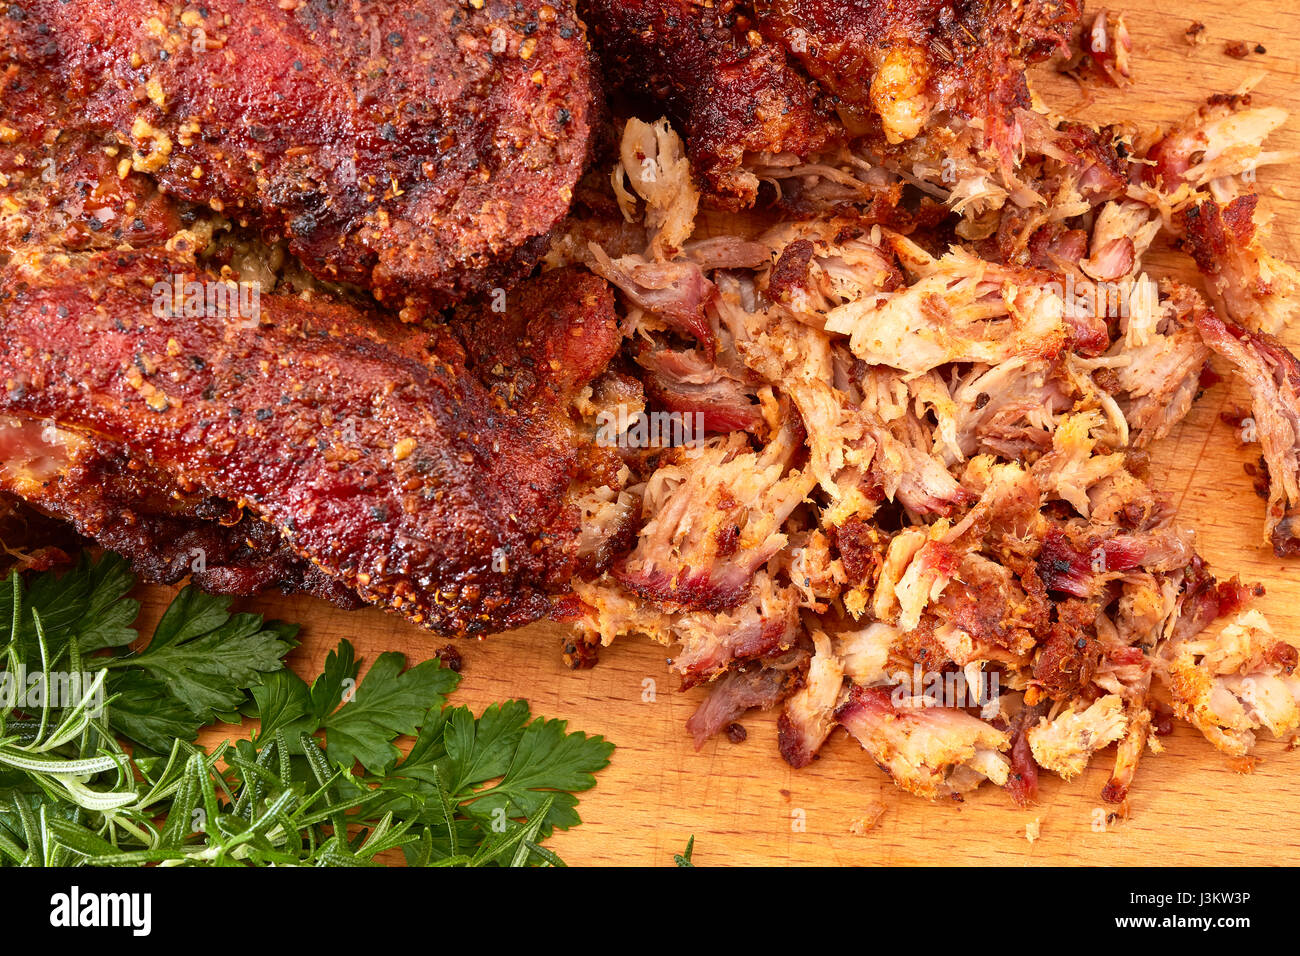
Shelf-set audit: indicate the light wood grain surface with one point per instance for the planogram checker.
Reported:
(745, 806)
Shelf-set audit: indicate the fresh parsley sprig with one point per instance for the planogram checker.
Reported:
(110, 776)
(197, 668)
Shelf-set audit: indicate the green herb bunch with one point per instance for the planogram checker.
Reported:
(99, 766)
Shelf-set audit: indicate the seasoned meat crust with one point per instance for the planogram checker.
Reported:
(58, 184)
(366, 443)
(791, 78)
(888, 65)
(421, 149)
(136, 510)
(730, 96)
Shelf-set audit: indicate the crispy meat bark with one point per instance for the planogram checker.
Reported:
(168, 533)
(730, 95)
(382, 453)
(421, 149)
(749, 82)
(889, 66)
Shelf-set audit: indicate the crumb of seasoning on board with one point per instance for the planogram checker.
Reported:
(1234, 416)
(1032, 829)
(1240, 50)
(736, 733)
(1244, 764)
(868, 821)
(1195, 34)
(451, 657)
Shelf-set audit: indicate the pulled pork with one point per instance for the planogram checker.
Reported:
(921, 510)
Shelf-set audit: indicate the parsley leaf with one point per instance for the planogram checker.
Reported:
(283, 702)
(87, 603)
(360, 721)
(388, 703)
(532, 761)
(337, 679)
(144, 711)
(202, 656)
(546, 762)
(197, 667)
(483, 749)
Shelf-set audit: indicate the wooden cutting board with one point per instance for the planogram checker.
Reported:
(745, 806)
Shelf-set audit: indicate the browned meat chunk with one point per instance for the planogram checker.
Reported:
(444, 492)
(1272, 374)
(421, 149)
(730, 93)
(890, 66)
